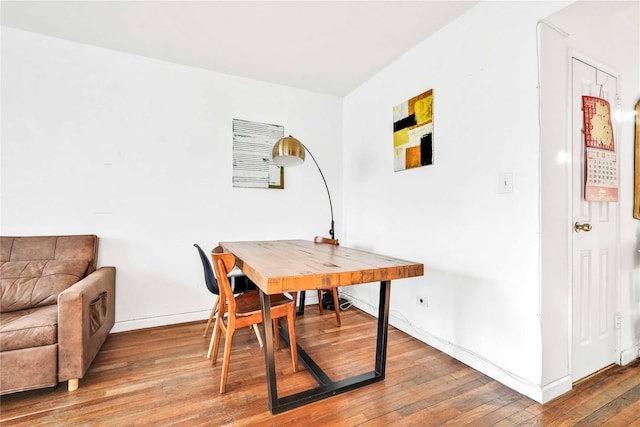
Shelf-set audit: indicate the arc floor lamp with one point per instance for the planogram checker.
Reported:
(289, 151)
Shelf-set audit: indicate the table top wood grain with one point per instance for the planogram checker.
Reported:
(278, 266)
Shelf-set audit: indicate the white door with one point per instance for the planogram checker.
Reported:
(594, 252)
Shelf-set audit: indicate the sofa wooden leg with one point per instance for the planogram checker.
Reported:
(73, 384)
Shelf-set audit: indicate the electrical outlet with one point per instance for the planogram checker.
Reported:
(421, 301)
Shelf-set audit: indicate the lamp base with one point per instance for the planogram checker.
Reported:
(327, 302)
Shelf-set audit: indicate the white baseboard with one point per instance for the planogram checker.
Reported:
(310, 298)
(540, 394)
(555, 389)
(152, 322)
(629, 355)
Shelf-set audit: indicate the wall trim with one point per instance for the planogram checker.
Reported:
(540, 394)
(152, 322)
(629, 355)
(556, 389)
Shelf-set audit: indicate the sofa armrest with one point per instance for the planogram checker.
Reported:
(86, 314)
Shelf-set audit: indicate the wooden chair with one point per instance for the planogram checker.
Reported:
(333, 292)
(244, 310)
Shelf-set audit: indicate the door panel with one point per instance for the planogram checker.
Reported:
(594, 252)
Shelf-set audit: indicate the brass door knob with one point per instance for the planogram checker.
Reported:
(581, 227)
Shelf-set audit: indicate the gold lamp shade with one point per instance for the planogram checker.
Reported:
(288, 151)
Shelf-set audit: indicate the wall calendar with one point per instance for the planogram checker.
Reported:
(601, 163)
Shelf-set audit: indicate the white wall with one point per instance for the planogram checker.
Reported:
(480, 247)
(138, 151)
(556, 256)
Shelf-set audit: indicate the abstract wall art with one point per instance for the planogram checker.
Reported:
(252, 163)
(413, 132)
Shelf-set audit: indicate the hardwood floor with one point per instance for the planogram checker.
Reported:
(161, 376)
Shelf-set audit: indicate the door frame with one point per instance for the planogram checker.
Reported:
(616, 121)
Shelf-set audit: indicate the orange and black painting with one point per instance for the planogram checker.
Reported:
(413, 132)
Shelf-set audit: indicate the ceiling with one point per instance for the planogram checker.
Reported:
(588, 15)
(329, 47)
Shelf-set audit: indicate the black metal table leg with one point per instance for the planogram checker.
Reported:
(326, 387)
(269, 355)
(383, 327)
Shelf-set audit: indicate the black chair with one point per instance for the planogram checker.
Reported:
(241, 284)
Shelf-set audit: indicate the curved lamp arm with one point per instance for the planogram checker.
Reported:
(289, 151)
(331, 230)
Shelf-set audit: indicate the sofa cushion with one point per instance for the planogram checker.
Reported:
(42, 248)
(28, 284)
(33, 327)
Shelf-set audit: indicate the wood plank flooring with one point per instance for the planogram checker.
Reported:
(161, 376)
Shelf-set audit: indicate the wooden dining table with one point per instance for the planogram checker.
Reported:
(281, 266)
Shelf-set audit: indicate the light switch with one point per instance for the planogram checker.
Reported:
(506, 183)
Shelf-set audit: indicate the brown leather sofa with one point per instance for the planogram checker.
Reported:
(56, 310)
